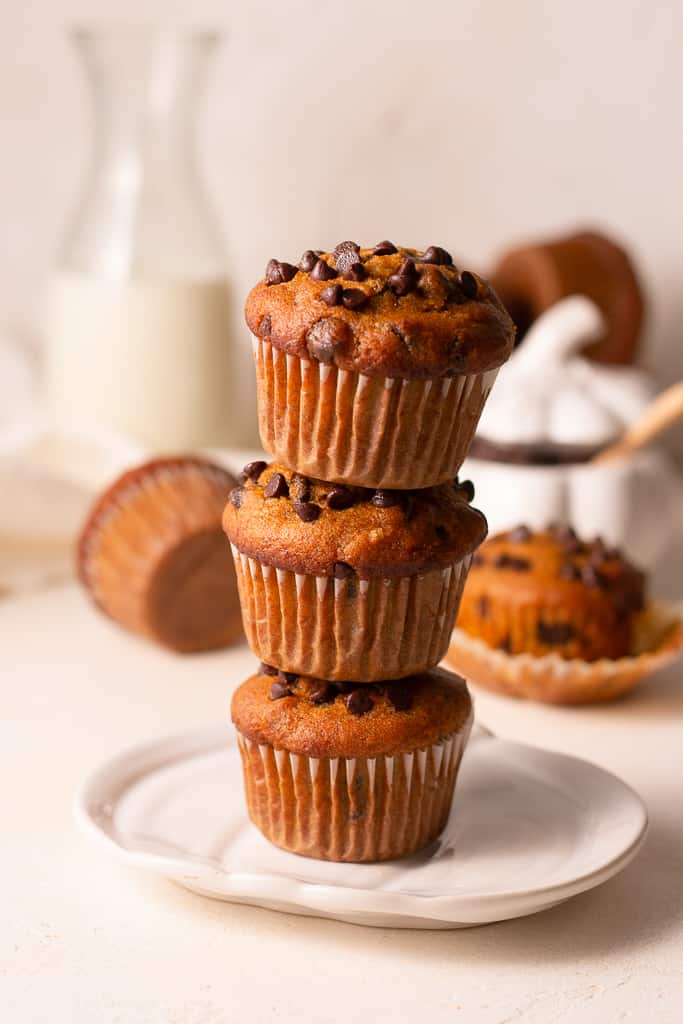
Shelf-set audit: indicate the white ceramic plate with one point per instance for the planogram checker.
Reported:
(529, 829)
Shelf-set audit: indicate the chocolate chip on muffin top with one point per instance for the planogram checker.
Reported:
(385, 311)
(350, 531)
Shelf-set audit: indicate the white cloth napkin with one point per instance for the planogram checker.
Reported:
(48, 476)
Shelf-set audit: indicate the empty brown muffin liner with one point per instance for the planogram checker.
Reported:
(348, 629)
(143, 523)
(551, 679)
(371, 431)
(352, 809)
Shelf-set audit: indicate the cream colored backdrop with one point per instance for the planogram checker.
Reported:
(466, 124)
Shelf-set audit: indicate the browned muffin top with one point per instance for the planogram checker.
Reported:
(311, 526)
(386, 311)
(556, 562)
(320, 719)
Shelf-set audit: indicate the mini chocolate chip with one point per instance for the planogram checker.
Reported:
(266, 670)
(354, 298)
(400, 285)
(554, 634)
(399, 694)
(570, 572)
(484, 606)
(598, 552)
(253, 470)
(278, 272)
(308, 261)
(237, 497)
(300, 487)
(322, 271)
(435, 254)
(325, 337)
(385, 499)
(359, 702)
(307, 510)
(465, 488)
(520, 534)
(356, 272)
(590, 576)
(265, 326)
(332, 295)
(277, 487)
(290, 678)
(340, 498)
(505, 644)
(279, 690)
(505, 561)
(324, 694)
(384, 248)
(342, 570)
(344, 687)
(345, 255)
(563, 533)
(441, 532)
(468, 284)
(409, 506)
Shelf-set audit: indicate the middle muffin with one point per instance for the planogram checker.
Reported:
(346, 583)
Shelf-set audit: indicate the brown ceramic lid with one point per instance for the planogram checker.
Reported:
(532, 278)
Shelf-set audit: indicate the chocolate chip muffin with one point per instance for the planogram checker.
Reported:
(550, 593)
(153, 556)
(351, 772)
(373, 365)
(343, 582)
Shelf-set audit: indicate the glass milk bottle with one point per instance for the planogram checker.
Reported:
(139, 335)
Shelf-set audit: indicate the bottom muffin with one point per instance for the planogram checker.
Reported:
(351, 771)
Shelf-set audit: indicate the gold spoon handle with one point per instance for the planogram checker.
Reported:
(662, 413)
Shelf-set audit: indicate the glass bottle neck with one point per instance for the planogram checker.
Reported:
(143, 211)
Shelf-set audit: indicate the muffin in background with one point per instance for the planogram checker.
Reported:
(373, 365)
(351, 772)
(153, 556)
(547, 592)
(346, 583)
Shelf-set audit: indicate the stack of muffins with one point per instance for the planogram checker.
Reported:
(352, 549)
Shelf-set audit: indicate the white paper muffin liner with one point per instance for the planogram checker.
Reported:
(371, 431)
(348, 629)
(555, 680)
(352, 809)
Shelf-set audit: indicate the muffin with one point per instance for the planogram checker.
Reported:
(373, 365)
(532, 278)
(351, 772)
(347, 583)
(550, 593)
(153, 556)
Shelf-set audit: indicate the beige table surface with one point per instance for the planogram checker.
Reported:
(84, 939)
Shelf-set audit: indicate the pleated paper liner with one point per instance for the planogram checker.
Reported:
(348, 629)
(371, 431)
(352, 809)
(154, 557)
(555, 680)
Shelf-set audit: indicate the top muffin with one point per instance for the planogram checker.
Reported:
(386, 311)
